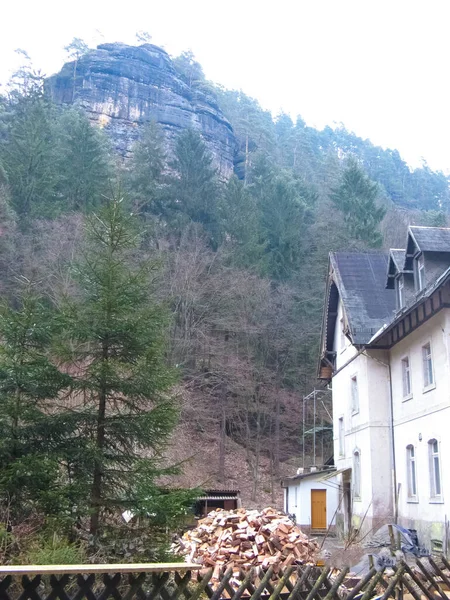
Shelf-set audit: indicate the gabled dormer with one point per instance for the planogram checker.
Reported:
(427, 254)
(399, 279)
(357, 304)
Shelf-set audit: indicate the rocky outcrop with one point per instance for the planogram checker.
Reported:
(122, 87)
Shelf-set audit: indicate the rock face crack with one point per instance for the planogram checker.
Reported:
(123, 87)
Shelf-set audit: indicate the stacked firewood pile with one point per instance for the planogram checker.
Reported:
(245, 538)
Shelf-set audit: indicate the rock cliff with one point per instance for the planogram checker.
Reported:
(122, 87)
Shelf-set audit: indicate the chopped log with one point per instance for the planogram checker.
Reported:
(247, 538)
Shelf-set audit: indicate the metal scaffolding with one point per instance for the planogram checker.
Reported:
(317, 424)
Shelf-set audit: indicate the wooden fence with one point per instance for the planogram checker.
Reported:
(425, 579)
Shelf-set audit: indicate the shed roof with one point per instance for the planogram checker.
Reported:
(360, 279)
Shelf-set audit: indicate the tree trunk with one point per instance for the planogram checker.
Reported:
(96, 490)
(222, 441)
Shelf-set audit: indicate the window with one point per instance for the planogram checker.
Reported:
(428, 378)
(341, 437)
(420, 273)
(411, 471)
(355, 394)
(406, 377)
(435, 469)
(356, 474)
(400, 296)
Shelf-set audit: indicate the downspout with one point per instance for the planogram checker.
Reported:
(391, 426)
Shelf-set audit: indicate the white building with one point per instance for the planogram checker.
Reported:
(385, 351)
(312, 498)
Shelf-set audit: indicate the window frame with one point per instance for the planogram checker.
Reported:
(411, 473)
(435, 497)
(407, 371)
(400, 286)
(419, 272)
(428, 385)
(357, 475)
(354, 405)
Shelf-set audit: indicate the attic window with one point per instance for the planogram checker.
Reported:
(420, 273)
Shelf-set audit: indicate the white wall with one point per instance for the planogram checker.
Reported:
(424, 416)
(299, 498)
(367, 430)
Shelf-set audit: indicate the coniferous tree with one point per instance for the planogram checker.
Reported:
(84, 169)
(31, 434)
(190, 70)
(356, 197)
(116, 334)
(28, 155)
(193, 189)
(284, 205)
(241, 225)
(145, 176)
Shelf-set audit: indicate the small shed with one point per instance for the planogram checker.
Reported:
(312, 498)
(213, 499)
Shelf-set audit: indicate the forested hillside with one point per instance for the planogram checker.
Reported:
(239, 264)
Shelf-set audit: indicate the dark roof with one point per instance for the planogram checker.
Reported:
(418, 299)
(431, 239)
(360, 279)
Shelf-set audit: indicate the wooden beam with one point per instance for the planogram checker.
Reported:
(108, 568)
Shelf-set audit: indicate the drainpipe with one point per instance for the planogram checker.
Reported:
(391, 427)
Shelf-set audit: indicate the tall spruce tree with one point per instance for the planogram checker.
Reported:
(145, 175)
(240, 221)
(31, 434)
(84, 168)
(356, 197)
(28, 155)
(122, 383)
(193, 189)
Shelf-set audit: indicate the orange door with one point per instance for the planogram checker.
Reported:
(318, 509)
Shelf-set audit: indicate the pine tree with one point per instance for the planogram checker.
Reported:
(31, 434)
(116, 344)
(83, 162)
(356, 197)
(189, 69)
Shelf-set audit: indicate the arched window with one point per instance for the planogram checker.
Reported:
(356, 474)
(411, 471)
(435, 469)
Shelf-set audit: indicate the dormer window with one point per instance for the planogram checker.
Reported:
(399, 286)
(420, 273)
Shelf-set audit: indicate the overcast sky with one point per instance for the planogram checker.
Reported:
(380, 67)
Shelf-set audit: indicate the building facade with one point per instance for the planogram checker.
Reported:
(385, 351)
